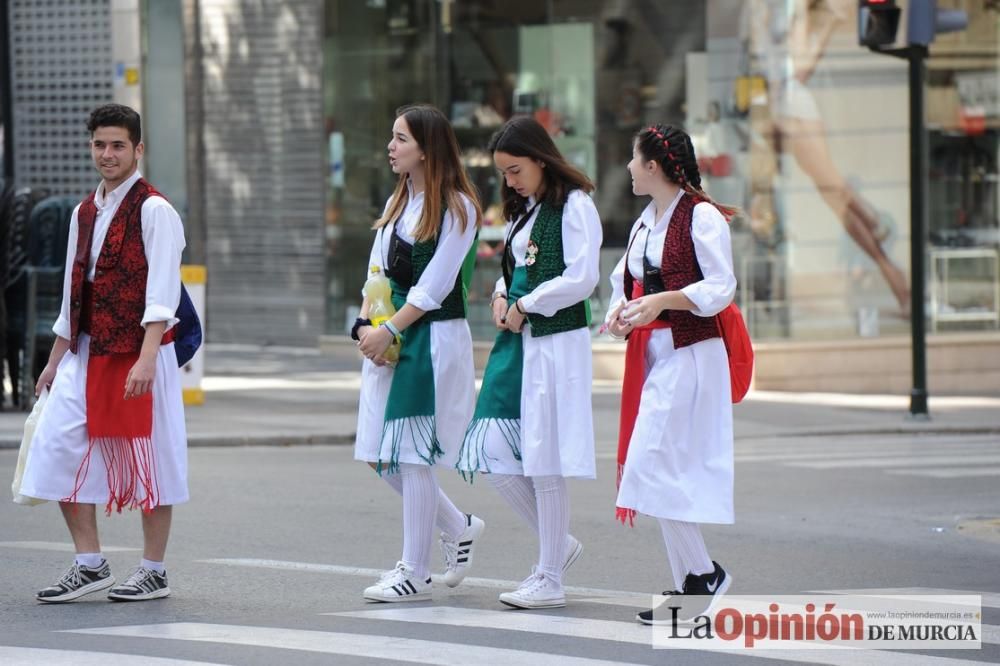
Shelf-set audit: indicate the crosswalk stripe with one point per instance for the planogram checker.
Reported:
(625, 632)
(558, 625)
(473, 581)
(898, 461)
(24, 656)
(989, 599)
(948, 472)
(394, 648)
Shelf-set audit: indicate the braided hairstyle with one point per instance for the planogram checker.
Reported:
(671, 148)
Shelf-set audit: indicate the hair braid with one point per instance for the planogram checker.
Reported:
(671, 148)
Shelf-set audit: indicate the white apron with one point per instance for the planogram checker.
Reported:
(60, 442)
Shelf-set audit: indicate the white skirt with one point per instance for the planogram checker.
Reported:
(557, 425)
(454, 398)
(680, 457)
(60, 442)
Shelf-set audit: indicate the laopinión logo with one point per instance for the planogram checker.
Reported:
(835, 621)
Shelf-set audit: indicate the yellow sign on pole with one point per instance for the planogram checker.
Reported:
(193, 277)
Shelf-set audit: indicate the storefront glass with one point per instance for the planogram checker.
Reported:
(796, 124)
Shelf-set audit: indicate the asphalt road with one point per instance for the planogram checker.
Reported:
(268, 561)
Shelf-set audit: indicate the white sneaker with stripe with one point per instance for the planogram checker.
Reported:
(144, 584)
(399, 585)
(458, 553)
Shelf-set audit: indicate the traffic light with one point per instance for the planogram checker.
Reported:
(924, 20)
(878, 21)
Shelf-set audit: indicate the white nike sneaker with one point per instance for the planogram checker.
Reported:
(458, 552)
(537, 591)
(399, 585)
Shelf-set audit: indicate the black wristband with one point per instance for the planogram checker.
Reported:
(517, 305)
(358, 323)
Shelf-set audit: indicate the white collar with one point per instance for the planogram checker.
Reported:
(650, 211)
(104, 199)
(409, 189)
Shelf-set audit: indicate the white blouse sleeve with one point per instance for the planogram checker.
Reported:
(438, 279)
(163, 238)
(617, 280)
(713, 247)
(617, 277)
(62, 327)
(377, 256)
(501, 286)
(582, 236)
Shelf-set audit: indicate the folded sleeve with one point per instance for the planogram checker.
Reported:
(617, 277)
(62, 327)
(438, 279)
(713, 248)
(163, 238)
(582, 236)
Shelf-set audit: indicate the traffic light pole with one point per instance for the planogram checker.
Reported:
(917, 58)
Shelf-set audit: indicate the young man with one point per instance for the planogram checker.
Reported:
(112, 432)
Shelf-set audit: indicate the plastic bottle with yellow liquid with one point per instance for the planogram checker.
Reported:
(378, 292)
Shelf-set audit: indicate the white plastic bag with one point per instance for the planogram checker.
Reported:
(22, 456)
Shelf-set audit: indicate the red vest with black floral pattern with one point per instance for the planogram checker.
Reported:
(113, 306)
(679, 268)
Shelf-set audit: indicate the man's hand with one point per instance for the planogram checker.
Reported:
(45, 379)
(140, 377)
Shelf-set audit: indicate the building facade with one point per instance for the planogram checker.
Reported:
(273, 120)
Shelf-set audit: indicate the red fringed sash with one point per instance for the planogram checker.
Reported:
(635, 376)
(123, 429)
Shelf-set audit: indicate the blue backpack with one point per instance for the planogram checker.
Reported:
(187, 332)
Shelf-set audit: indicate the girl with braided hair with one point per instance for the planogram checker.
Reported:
(675, 446)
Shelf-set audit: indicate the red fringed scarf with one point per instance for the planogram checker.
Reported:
(635, 376)
(123, 429)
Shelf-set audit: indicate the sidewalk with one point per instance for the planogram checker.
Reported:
(283, 396)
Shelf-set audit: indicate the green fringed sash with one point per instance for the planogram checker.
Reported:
(409, 413)
(499, 403)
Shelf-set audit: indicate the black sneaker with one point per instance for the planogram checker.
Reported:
(76, 582)
(700, 595)
(646, 616)
(142, 585)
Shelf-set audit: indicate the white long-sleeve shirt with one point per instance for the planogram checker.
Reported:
(581, 238)
(438, 279)
(712, 246)
(163, 242)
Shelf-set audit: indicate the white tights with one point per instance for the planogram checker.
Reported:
(543, 502)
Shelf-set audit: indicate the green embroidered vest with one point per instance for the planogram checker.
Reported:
(454, 304)
(546, 235)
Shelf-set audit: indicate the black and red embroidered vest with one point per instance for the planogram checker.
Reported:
(679, 268)
(111, 308)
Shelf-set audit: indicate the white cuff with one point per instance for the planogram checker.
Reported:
(528, 302)
(62, 328)
(156, 313)
(419, 298)
(702, 301)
